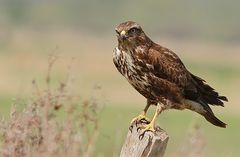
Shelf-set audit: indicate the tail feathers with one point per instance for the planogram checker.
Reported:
(209, 116)
(223, 98)
(214, 120)
(208, 94)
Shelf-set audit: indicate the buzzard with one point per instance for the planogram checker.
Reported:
(159, 75)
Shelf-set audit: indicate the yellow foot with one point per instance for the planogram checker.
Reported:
(148, 127)
(142, 116)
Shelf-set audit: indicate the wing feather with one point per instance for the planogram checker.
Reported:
(167, 65)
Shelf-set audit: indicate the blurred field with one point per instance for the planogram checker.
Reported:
(90, 61)
(92, 68)
(177, 124)
(204, 35)
(114, 123)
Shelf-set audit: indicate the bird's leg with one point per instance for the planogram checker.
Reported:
(151, 125)
(142, 116)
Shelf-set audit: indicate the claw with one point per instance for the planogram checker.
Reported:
(139, 120)
(148, 127)
(144, 121)
(140, 117)
(130, 128)
(141, 136)
(138, 128)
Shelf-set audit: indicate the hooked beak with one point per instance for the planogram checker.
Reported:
(123, 35)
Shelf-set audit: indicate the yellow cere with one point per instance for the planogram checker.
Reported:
(123, 33)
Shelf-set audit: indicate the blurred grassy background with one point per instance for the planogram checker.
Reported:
(205, 34)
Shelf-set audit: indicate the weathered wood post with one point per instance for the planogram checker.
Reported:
(152, 144)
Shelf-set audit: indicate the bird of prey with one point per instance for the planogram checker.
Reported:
(159, 75)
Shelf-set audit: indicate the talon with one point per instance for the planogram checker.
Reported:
(130, 128)
(144, 121)
(136, 123)
(141, 136)
(140, 117)
(139, 128)
(148, 127)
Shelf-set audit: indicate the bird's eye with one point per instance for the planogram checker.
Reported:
(133, 30)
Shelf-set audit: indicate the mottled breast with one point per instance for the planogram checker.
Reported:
(126, 65)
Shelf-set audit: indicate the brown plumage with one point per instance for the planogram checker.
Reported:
(160, 76)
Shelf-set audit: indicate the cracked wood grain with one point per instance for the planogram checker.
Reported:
(152, 144)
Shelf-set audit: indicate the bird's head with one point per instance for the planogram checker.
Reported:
(130, 33)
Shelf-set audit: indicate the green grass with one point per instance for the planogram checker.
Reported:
(222, 142)
(5, 106)
(114, 122)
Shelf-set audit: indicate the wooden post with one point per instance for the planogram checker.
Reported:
(152, 144)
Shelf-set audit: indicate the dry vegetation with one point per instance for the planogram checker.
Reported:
(53, 123)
